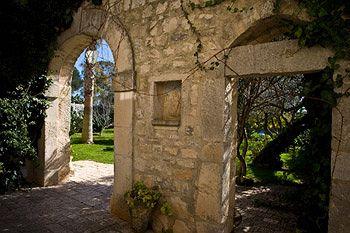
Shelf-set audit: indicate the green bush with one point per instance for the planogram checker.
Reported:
(32, 28)
(257, 142)
(15, 143)
(21, 115)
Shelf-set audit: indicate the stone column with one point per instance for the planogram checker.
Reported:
(215, 185)
(123, 147)
(54, 147)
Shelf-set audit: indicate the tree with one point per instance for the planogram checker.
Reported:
(77, 87)
(103, 100)
(89, 82)
(264, 104)
(77, 82)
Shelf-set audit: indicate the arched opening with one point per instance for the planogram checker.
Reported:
(92, 77)
(90, 24)
(262, 31)
(99, 146)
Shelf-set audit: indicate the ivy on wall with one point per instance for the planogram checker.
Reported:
(329, 28)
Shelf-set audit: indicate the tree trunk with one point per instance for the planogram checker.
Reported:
(87, 132)
(89, 83)
(242, 170)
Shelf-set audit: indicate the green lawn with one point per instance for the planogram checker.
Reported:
(100, 151)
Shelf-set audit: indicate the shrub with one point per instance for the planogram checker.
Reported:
(142, 196)
(21, 115)
(257, 142)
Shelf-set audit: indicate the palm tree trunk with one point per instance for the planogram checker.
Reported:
(87, 132)
(89, 83)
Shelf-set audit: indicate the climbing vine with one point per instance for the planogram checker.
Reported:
(327, 28)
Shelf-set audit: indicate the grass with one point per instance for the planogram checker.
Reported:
(102, 150)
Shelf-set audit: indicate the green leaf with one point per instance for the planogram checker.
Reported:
(298, 32)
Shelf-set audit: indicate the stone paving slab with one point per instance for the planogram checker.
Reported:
(81, 205)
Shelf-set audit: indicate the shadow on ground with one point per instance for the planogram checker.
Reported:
(263, 209)
(76, 206)
(81, 205)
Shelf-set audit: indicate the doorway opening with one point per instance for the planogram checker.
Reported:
(92, 105)
(284, 152)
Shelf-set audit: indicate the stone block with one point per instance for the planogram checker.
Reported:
(212, 109)
(141, 164)
(180, 227)
(137, 3)
(189, 153)
(183, 174)
(126, 4)
(186, 163)
(209, 178)
(180, 209)
(123, 108)
(171, 150)
(341, 164)
(161, 8)
(208, 206)
(339, 207)
(212, 152)
(160, 222)
(123, 141)
(170, 25)
(205, 227)
(277, 58)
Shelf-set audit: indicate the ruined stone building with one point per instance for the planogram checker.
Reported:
(175, 123)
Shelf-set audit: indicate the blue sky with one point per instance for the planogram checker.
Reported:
(104, 54)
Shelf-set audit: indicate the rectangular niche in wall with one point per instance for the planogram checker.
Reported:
(167, 103)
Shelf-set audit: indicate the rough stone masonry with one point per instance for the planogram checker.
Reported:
(175, 124)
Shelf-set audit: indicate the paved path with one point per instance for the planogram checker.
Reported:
(79, 205)
(264, 210)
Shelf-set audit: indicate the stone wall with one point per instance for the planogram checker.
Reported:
(153, 41)
(186, 161)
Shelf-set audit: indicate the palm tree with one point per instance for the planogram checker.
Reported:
(89, 83)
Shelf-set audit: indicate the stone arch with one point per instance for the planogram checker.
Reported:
(259, 24)
(237, 30)
(252, 53)
(89, 23)
(262, 31)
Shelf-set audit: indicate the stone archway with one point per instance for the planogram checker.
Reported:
(54, 146)
(286, 57)
(192, 162)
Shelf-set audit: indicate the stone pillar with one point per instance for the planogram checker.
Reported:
(214, 198)
(123, 148)
(339, 205)
(54, 146)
